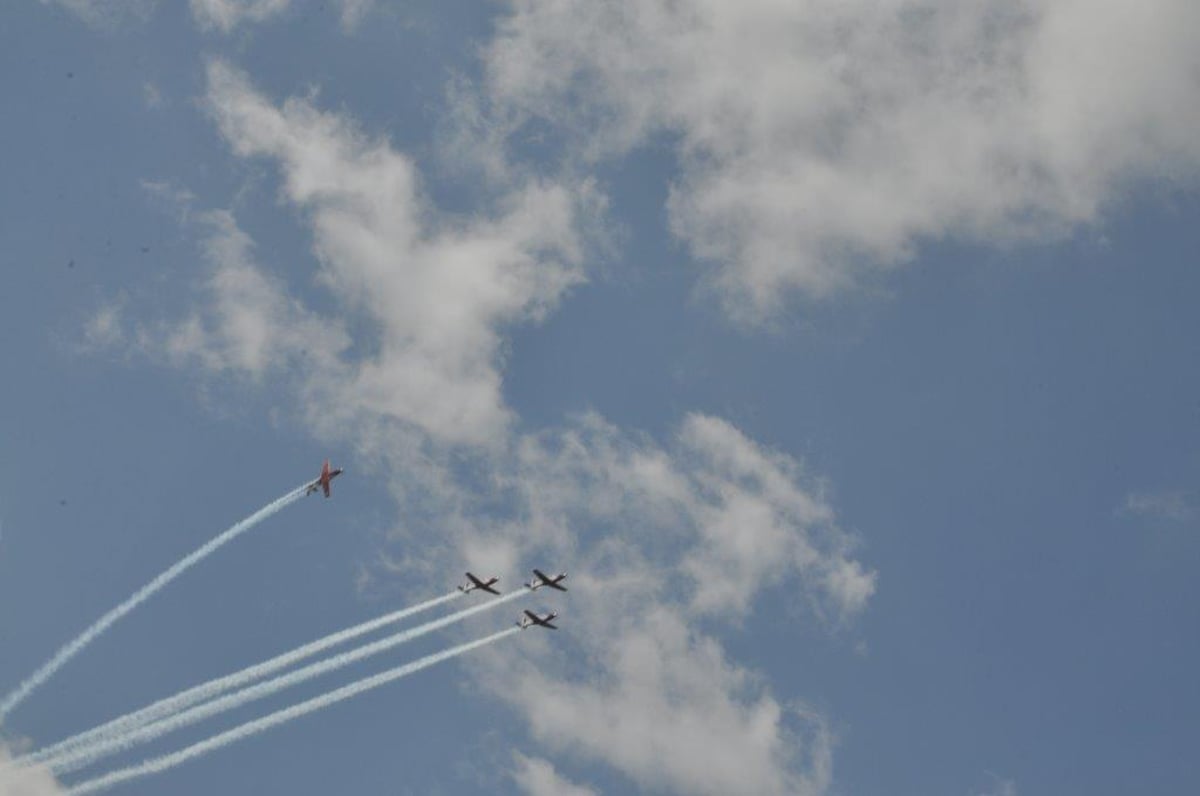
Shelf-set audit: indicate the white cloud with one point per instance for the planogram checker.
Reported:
(166, 193)
(664, 706)
(729, 517)
(997, 787)
(435, 290)
(354, 11)
(759, 525)
(658, 539)
(105, 328)
(537, 777)
(248, 324)
(152, 95)
(1174, 506)
(818, 142)
(34, 781)
(107, 13)
(662, 538)
(219, 15)
(225, 15)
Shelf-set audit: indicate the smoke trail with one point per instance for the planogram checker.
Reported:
(250, 728)
(87, 755)
(214, 688)
(50, 667)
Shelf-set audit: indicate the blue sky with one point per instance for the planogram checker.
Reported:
(845, 357)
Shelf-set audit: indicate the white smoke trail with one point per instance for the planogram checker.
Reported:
(50, 667)
(214, 688)
(250, 728)
(91, 753)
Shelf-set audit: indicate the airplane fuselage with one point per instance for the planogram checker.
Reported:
(474, 583)
(530, 619)
(323, 480)
(541, 579)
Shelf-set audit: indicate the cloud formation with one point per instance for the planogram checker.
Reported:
(107, 13)
(537, 777)
(434, 290)
(225, 15)
(717, 516)
(661, 541)
(666, 707)
(248, 324)
(819, 142)
(1173, 506)
(667, 541)
(998, 787)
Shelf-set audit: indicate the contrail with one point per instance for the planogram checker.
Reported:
(50, 667)
(158, 764)
(214, 688)
(105, 746)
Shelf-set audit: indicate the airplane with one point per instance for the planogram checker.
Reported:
(322, 482)
(542, 579)
(530, 619)
(474, 583)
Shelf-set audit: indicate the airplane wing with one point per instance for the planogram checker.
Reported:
(325, 486)
(537, 620)
(476, 582)
(546, 580)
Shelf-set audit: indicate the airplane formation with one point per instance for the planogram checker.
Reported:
(539, 580)
(241, 687)
(473, 583)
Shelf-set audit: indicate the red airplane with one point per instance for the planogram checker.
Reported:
(322, 482)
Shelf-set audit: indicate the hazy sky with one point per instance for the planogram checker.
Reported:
(844, 353)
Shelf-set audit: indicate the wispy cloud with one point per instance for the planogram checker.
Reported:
(435, 290)
(105, 328)
(249, 324)
(225, 15)
(660, 538)
(107, 14)
(537, 777)
(1175, 506)
(152, 95)
(997, 787)
(664, 705)
(354, 12)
